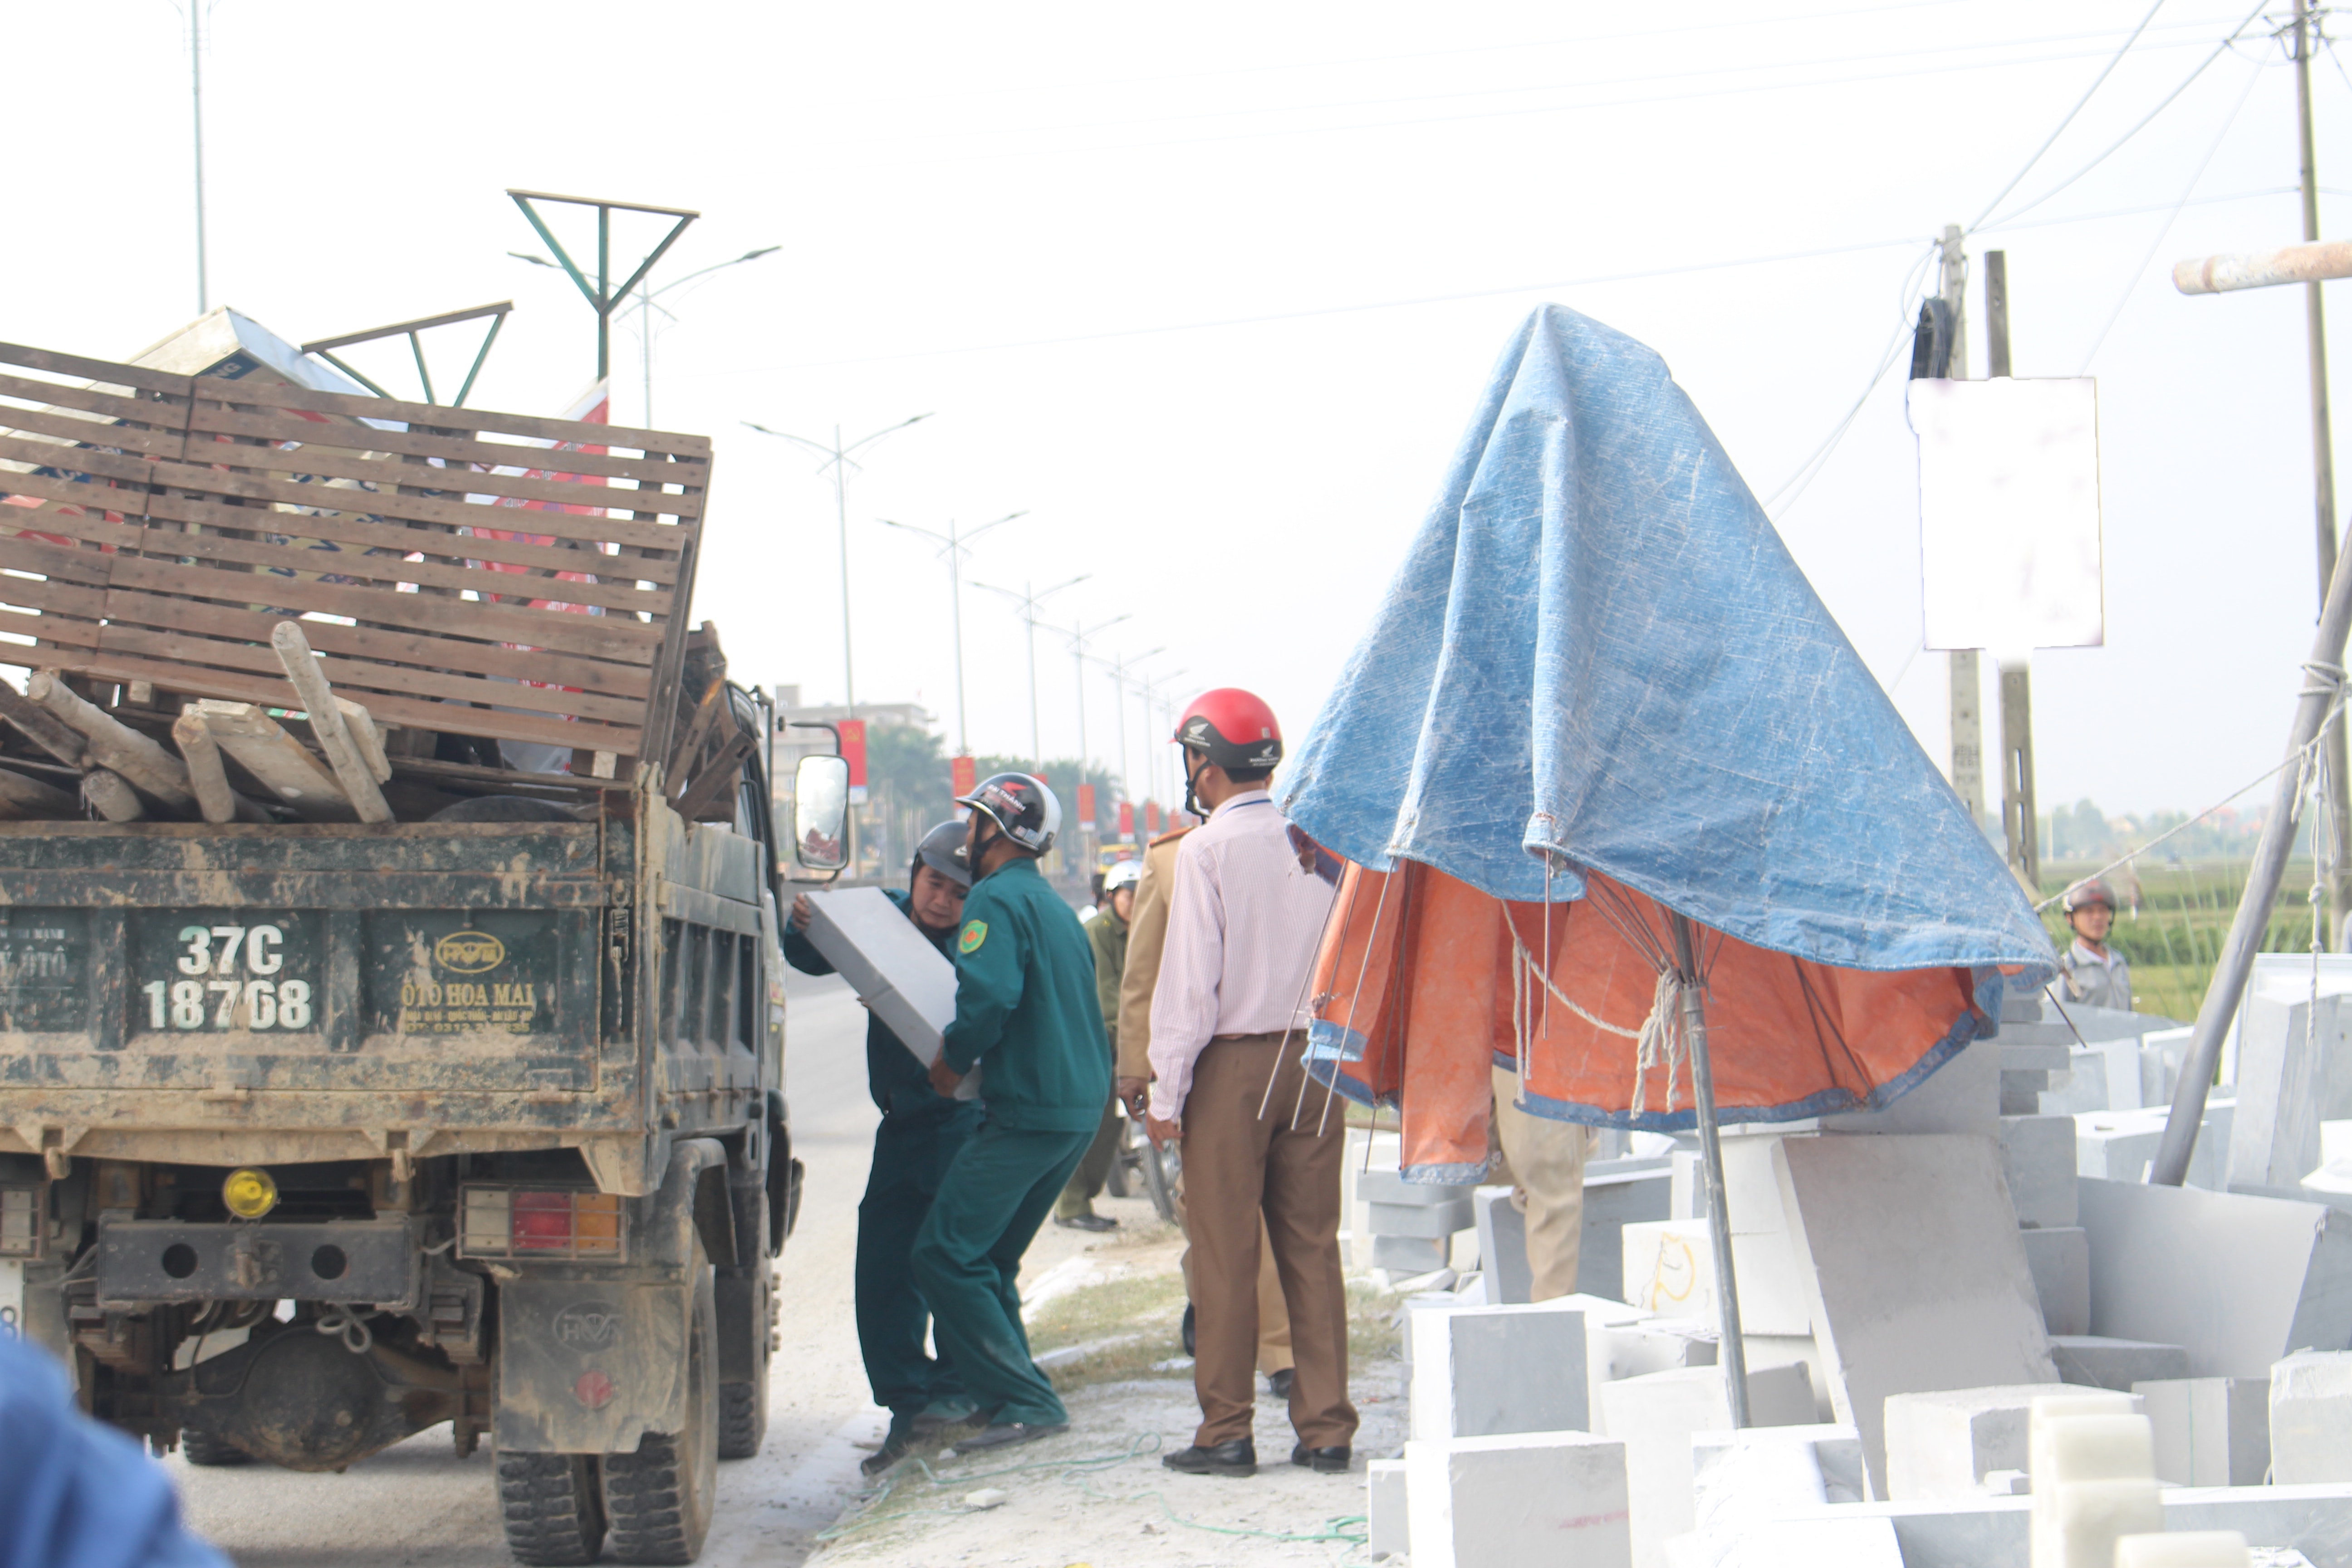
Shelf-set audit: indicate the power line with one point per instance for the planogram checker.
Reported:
(2131, 284)
(2219, 50)
(2106, 71)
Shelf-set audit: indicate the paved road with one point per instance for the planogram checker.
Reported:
(418, 1504)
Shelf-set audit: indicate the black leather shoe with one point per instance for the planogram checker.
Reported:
(1280, 1381)
(1095, 1222)
(1322, 1461)
(1238, 1458)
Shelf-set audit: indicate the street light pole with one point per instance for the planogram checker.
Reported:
(1121, 670)
(1079, 633)
(956, 543)
(836, 457)
(1027, 600)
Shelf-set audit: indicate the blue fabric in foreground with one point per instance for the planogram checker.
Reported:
(1598, 654)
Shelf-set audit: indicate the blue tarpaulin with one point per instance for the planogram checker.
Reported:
(1600, 655)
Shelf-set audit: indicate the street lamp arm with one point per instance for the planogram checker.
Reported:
(910, 528)
(1042, 595)
(887, 430)
(984, 528)
(705, 271)
(786, 436)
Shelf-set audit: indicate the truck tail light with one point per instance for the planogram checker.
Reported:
(547, 1224)
(20, 1221)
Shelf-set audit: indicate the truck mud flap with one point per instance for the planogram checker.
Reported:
(588, 1367)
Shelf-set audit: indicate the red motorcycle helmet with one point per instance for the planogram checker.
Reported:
(1233, 728)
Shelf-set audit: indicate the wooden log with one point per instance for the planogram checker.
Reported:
(285, 768)
(327, 725)
(41, 727)
(26, 799)
(215, 796)
(112, 744)
(368, 737)
(114, 799)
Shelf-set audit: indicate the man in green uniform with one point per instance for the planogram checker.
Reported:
(1106, 935)
(1027, 1015)
(920, 1131)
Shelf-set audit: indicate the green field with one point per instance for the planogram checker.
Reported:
(2185, 909)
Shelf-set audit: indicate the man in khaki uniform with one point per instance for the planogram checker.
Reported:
(1147, 933)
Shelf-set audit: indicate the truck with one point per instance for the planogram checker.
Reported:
(451, 1090)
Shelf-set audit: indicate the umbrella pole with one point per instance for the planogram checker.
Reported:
(1732, 1353)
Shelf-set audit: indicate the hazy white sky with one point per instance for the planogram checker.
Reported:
(1210, 293)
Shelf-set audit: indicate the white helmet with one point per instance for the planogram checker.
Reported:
(1122, 874)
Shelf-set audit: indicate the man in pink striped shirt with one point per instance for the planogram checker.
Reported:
(1227, 1034)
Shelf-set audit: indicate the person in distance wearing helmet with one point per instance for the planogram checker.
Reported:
(920, 1134)
(1026, 1010)
(1106, 935)
(1244, 919)
(2091, 972)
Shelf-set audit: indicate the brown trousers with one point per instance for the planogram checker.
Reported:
(1238, 1166)
(1273, 1312)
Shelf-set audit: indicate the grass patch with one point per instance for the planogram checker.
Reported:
(1134, 1323)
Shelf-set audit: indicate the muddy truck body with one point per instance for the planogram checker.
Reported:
(326, 1119)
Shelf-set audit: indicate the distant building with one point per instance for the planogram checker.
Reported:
(792, 743)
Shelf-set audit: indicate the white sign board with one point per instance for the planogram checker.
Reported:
(906, 982)
(2009, 513)
(11, 1298)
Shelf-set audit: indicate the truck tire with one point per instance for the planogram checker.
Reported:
(659, 1499)
(743, 1403)
(554, 1510)
(203, 1448)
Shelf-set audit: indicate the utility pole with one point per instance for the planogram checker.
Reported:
(196, 97)
(1080, 634)
(955, 541)
(836, 457)
(1122, 676)
(1967, 671)
(2020, 823)
(2323, 478)
(1026, 601)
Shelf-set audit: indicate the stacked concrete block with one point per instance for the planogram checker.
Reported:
(2102, 1076)
(2060, 1259)
(2119, 1145)
(2161, 1052)
(2093, 1480)
(1553, 1498)
(2311, 1417)
(1614, 1352)
(1634, 1193)
(2090, 1361)
(1385, 1510)
(1655, 1416)
(1961, 1096)
(1856, 1543)
(1668, 1268)
(2287, 1042)
(1952, 1443)
(2025, 1071)
(1413, 1224)
(1917, 1277)
(2210, 1431)
(1484, 1372)
(2313, 1520)
(2236, 1281)
(1367, 1152)
(1740, 1478)
(2190, 1549)
(2037, 1157)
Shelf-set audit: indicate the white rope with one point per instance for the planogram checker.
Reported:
(1657, 1043)
(1660, 1040)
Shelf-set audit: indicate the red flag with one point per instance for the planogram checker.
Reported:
(1126, 819)
(1087, 804)
(963, 774)
(1150, 816)
(852, 751)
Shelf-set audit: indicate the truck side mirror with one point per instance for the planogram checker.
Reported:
(821, 812)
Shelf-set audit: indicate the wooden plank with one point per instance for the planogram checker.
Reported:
(452, 445)
(64, 562)
(72, 460)
(384, 660)
(50, 629)
(41, 727)
(466, 772)
(386, 569)
(282, 762)
(327, 725)
(59, 598)
(367, 738)
(77, 511)
(110, 743)
(280, 394)
(343, 452)
(126, 438)
(616, 637)
(24, 799)
(352, 526)
(107, 373)
(154, 413)
(215, 799)
(454, 717)
(717, 781)
(440, 508)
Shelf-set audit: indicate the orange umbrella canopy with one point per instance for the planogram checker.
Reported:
(1423, 984)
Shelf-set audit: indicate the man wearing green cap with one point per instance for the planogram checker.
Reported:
(1026, 1016)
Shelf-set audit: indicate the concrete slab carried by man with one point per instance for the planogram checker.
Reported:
(1245, 917)
(1025, 1006)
